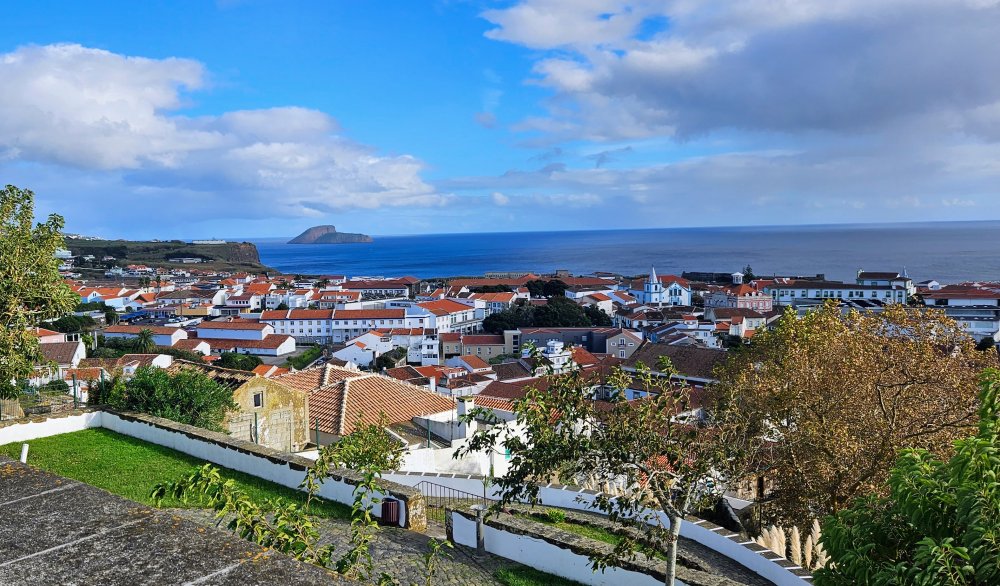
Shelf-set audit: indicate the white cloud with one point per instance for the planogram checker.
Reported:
(499, 198)
(102, 113)
(777, 66)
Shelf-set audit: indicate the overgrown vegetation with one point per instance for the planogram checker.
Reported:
(306, 358)
(185, 397)
(238, 361)
(558, 312)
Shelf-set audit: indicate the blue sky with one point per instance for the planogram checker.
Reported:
(246, 118)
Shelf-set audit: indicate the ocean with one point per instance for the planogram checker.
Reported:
(945, 251)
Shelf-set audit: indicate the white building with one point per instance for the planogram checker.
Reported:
(665, 290)
(162, 336)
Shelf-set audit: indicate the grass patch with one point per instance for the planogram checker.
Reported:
(525, 576)
(590, 531)
(130, 468)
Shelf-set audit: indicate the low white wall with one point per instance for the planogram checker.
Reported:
(29, 430)
(575, 499)
(545, 556)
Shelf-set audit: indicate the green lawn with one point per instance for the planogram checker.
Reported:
(130, 467)
(525, 576)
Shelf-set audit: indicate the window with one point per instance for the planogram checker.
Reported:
(258, 400)
(621, 354)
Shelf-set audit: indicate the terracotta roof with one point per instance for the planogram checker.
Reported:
(733, 312)
(60, 352)
(474, 362)
(495, 403)
(582, 356)
(403, 373)
(231, 325)
(227, 377)
(92, 373)
(338, 406)
(269, 370)
(188, 344)
(270, 342)
(313, 378)
(450, 337)
(42, 332)
(599, 297)
(157, 330)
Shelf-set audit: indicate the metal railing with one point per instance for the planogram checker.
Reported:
(438, 497)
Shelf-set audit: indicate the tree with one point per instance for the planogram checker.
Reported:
(145, 341)
(662, 465)
(185, 397)
(554, 288)
(938, 523)
(597, 317)
(509, 319)
(282, 306)
(369, 446)
(560, 312)
(238, 361)
(31, 289)
(748, 274)
(840, 395)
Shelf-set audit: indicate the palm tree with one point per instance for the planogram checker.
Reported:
(144, 342)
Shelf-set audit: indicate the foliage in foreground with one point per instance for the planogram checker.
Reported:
(939, 524)
(661, 461)
(31, 289)
(842, 394)
(188, 397)
(289, 527)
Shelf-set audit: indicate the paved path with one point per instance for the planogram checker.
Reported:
(399, 552)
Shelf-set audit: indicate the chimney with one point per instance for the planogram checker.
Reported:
(465, 429)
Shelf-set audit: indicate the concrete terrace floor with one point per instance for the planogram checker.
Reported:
(59, 531)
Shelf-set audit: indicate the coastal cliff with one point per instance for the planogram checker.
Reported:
(328, 235)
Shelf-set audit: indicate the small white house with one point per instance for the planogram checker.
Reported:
(162, 336)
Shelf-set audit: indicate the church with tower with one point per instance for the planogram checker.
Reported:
(662, 290)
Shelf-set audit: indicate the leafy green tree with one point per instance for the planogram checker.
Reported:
(238, 361)
(554, 288)
(939, 523)
(185, 397)
(560, 312)
(144, 342)
(31, 289)
(369, 446)
(509, 319)
(597, 317)
(282, 306)
(536, 288)
(748, 274)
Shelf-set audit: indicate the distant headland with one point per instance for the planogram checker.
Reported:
(328, 235)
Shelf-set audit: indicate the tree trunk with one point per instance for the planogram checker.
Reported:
(675, 533)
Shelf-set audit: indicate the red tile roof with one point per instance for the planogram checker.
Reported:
(444, 306)
(338, 406)
(483, 339)
(474, 362)
(270, 342)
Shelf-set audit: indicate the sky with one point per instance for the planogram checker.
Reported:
(254, 119)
